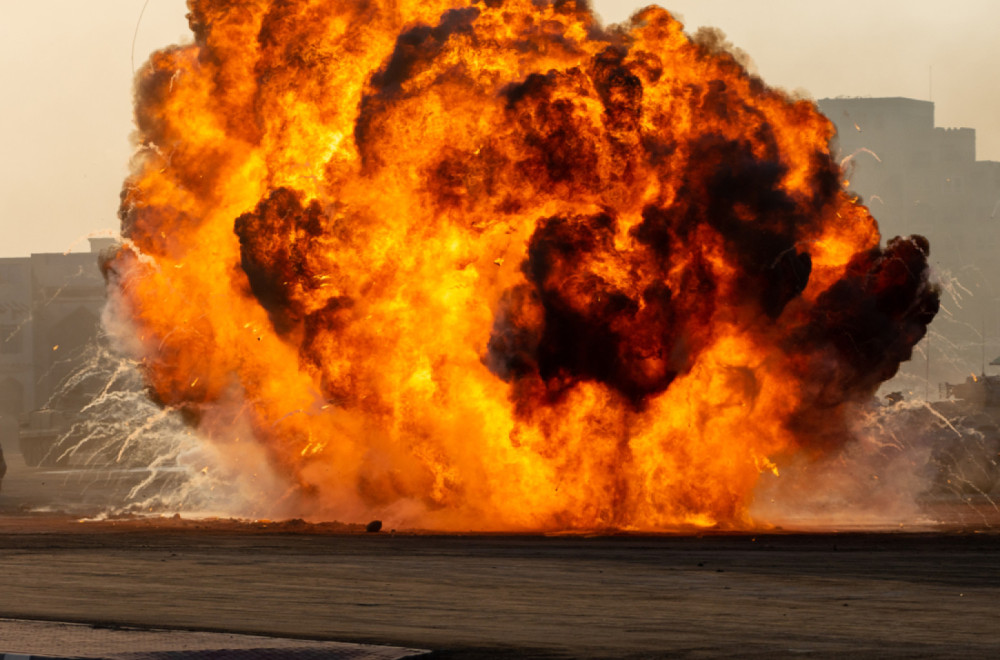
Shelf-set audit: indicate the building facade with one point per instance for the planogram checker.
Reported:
(918, 178)
(50, 310)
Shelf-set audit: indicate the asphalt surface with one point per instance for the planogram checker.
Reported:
(42, 640)
(931, 591)
(863, 595)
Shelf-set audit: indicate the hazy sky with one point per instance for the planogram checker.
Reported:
(66, 75)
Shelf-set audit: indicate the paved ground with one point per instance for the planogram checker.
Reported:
(868, 595)
(932, 593)
(43, 639)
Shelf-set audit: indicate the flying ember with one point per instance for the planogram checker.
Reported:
(493, 265)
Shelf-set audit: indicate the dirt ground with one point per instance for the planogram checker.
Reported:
(933, 593)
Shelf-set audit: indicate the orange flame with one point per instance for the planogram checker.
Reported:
(490, 265)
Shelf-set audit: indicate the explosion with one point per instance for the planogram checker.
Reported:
(493, 265)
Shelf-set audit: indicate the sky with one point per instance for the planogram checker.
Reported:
(66, 75)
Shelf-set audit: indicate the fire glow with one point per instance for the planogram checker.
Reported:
(491, 265)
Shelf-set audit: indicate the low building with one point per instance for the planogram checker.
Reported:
(50, 310)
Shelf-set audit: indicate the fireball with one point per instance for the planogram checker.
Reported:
(494, 265)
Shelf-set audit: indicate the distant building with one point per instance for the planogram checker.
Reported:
(17, 369)
(917, 178)
(50, 309)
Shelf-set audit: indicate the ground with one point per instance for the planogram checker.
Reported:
(865, 594)
(932, 593)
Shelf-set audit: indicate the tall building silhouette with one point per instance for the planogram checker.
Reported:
(918, 178)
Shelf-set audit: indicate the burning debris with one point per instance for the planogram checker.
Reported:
(492, 265)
